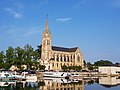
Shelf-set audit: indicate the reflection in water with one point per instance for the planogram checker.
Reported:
(62, 84)
(109, 81)
(18, 85)
(44, 84)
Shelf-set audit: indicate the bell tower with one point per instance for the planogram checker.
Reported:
(46, 44)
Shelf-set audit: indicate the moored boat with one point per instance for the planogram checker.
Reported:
(31, 77)
(57, 74)
(6, 75)
(6, 83)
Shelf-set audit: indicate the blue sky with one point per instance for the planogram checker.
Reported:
(92, 25)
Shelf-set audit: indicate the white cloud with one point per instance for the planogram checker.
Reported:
(8, 9)
(63, 19)
(16, 14)
(16, 10)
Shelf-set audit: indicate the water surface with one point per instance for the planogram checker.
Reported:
(102, 83)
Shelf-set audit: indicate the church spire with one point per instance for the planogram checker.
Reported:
(46, 28)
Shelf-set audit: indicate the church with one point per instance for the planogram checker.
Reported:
(53, 57)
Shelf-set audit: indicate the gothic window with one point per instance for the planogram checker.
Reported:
(64, 58)
(57, 58)
(48, 42)
(74, 57)
(53, 64)
(61, 58)
(71, 58)
(68, 58)
(78, 58)
(52, 84)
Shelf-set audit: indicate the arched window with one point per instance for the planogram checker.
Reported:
(71, 58)
(57, 58)
(78, 58)
(64, 58)
(74, 57)
(61, 58)
(68, 58)
(48, 42)
(57, 64)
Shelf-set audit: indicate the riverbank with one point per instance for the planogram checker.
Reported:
(82, 74)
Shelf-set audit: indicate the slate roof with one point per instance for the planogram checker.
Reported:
(55, 48)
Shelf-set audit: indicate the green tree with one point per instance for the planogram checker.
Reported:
(84, 63)
(70, 67)
(90, 66)
(35, 60)
(2, 57)
(39, 50)
(77, 68)
(117, 63)
(28, 55)
(19, 57)
(10, 57)
(64, 67)
(102, 62)
(41, 67)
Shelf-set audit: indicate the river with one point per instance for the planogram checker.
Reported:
(102, 83)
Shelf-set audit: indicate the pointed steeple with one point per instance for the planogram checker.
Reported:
(46, 28)
(46, 31)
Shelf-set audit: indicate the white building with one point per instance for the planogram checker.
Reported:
(109, 81)
(109, 70)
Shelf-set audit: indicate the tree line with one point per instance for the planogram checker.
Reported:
(96, 64)
(76, 68)
(20, 56)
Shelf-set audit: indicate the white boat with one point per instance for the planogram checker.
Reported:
(31, 77)
(57, 74)
(19, 76)
(6, 83)
(57, 80)
(4, 75)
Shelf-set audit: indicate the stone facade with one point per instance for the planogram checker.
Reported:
(54, 57)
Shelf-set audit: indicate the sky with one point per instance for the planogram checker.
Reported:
(91, 25)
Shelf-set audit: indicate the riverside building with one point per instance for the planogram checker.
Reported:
(53, 57)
